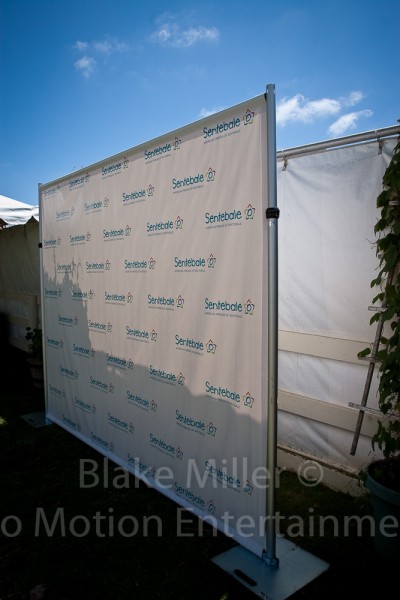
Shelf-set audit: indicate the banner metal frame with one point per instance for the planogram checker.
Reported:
(270, 576)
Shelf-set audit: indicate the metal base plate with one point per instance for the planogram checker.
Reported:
(296, 569)
(37, 419)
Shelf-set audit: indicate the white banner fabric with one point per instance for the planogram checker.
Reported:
(154, 303)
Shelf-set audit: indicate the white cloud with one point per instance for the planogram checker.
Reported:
(348, 122)
(354, 98)
(300, 110)
(86, 65)
(171, 34)
(81, 46)
(206, 112)
(109, 46)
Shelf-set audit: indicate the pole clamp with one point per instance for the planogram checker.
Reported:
(272, 213)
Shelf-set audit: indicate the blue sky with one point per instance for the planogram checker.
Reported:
(81, 80)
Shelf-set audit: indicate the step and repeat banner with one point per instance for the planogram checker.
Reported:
(154, 314)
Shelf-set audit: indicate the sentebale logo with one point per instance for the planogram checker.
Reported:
(137, 334)
(233, 308)
(162, 445)
(189, 344)
(158, 152)
(67, 213)
(221, 128)
(137, 400)
(118, 233)
(160, 302)
(82, 295)
(99, 326)
(115, 168)
(138, 195)
(192, 181)
(119, 298)
(96, 205)
(221, 393)
(78, 182)
(248, 117)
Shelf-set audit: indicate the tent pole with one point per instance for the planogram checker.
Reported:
(272, 214)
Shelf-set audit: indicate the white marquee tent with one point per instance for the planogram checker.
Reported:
(13, 212)
(19, 267)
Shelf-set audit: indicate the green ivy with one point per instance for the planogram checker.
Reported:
(387, 436)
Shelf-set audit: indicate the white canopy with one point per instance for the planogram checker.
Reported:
(13, 212)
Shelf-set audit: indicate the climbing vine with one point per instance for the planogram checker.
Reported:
(387, 229)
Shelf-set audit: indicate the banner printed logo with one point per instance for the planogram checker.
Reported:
(195, 425)
(100, 441)
(196, 500)
(158, 152)
(67, 321)
(226, 308)
(54, 343)
(227, 128)
(120, 424)
(118, 298)
(79, 239)
(96, 205)
(99, 326)
(84, 406)
(83, 351)
(68, 373)
(78, 182)
(137, 401)
(229, 218)
(51, 242)
(57, 392)
(248, 117)
(138, 265)
(164, 302)
(165, 447)
(50, 191)
(137, 195)
(101, 385)
(74, 425)
(163, 227)
(120, 233)
(232, 397)
(221, 130)
(115, 168)
(193, 181)
(52, 293)
(139, 335)
(168, 377)
(141, 467)
(194, 346)
(68, 213)
(82, 295)
(119, 362)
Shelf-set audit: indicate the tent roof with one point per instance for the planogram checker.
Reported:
(13, 212)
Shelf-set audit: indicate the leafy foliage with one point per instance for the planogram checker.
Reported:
(35, 342)
(387, 436)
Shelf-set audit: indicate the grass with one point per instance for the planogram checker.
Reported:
(39, 474)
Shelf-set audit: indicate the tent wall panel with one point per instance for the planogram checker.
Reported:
(327, 259)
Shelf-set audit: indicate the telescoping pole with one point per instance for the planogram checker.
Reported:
(272, 214)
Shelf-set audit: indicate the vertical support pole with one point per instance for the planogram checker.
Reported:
(272, 214)
(42, 307)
